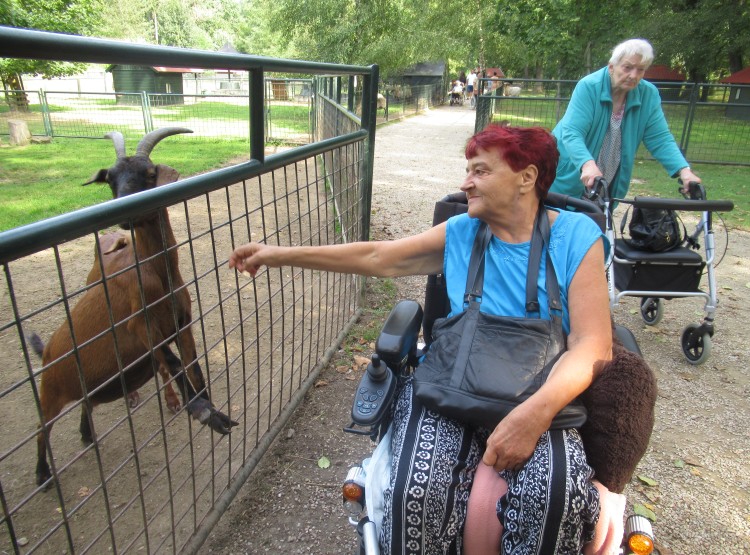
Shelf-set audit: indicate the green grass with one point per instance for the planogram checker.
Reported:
(44, 180)
(721, 182)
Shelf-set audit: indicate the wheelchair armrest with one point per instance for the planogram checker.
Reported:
(398, 338)
(627, 339)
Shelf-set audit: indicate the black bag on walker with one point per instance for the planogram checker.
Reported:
(653, 229)
(480, 366)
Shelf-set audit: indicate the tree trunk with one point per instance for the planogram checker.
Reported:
(19, 132)
(735, 61)
(16, 97)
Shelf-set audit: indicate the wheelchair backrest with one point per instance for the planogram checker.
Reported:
(436, 303)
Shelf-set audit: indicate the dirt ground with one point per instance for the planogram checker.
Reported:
(694, 476)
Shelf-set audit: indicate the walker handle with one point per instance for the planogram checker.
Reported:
(680, 204)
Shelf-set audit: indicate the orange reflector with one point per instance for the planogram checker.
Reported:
(640, 544)
(352, 491)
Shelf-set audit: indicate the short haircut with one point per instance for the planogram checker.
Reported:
(520, 147)
(631, 47)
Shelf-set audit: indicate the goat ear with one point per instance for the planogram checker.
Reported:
(166, 174)
(98, 177)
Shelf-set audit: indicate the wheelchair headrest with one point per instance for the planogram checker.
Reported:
(456, 203)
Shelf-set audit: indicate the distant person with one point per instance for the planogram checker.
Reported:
(471, 86)
(495, 84)
(610, 113)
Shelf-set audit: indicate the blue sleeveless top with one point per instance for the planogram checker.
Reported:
(506, 264)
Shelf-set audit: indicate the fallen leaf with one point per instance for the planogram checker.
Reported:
(321, 383)
(644, 511)
(653, 495)
(343, 369)
(695, 471)
(323, 462)
(361, 361)
(648, 481)
(679, 463)
(84, 491)
(692, 462)
(350, 377)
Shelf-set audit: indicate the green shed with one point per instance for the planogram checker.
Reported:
(165, 83)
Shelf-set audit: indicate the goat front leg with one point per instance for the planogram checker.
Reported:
(198, 405)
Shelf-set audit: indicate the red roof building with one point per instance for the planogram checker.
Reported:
(663, 73)
(741, 77)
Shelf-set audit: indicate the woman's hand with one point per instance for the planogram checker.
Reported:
(589, 172)
(687, 176)
(514, 439)
(250, 257)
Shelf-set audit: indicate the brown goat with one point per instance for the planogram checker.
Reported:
(114, 261)
(113, 365)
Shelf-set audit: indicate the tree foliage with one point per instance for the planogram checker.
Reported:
(81, 17)
(550, 38)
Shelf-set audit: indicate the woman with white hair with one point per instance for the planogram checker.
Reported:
(610, 113)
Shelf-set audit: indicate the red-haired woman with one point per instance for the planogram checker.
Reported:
(508, 174)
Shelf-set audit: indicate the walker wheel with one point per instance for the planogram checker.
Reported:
(652, 310)
(696, 345)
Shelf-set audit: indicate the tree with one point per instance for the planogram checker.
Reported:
(704, 37)
(66, 16)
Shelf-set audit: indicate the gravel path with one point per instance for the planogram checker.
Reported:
(699, 454)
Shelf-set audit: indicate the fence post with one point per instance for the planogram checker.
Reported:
(257, 131)
(148, 124)
(694, 93)
(45, 113)
(369, 122)
(350, 94)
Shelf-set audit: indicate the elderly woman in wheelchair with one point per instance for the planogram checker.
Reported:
(527, 471)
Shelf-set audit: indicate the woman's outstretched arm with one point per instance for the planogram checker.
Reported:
(415, 255)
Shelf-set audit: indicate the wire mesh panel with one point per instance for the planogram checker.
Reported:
(223, 114)
(144, 379)
(23, 105)
(150, 475)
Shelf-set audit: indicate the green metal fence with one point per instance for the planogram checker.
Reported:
(153, 481)
(709, 121)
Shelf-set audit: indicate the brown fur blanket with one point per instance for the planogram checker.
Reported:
(620, 404)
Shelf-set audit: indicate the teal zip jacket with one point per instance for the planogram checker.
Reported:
(580, 133)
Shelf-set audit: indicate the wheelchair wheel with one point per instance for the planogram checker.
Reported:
(652, 310)
(696, 345)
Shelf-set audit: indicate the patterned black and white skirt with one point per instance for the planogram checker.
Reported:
(433, 466)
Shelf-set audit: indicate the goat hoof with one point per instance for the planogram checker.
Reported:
(221, 423)
(44, 478)
(134, 399)
(173, 405)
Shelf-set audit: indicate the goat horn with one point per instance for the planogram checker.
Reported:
(119, 141)
(148, 142)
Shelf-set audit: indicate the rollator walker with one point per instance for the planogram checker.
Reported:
(677, 273)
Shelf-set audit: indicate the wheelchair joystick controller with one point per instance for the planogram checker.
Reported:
(374, 393)
(377, 369)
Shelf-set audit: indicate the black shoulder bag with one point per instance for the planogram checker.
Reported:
(653, 229)
(480, 366)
